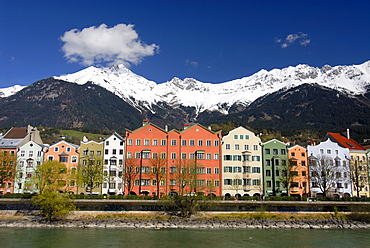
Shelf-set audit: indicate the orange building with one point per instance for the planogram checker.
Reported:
(181, 162)
(298, 171)
(68, 154)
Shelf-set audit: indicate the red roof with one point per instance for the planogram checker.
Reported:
(347, 143)
(16, 133)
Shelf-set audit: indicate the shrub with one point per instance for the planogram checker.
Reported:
(53, 205)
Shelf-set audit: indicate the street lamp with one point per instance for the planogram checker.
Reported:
(141, 167)
(195, 169)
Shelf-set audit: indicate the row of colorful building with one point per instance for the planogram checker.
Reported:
(196, 160)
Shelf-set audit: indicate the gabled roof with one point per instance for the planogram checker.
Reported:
(65, 142)
(16, 133)
(343, 141)
(274, 140)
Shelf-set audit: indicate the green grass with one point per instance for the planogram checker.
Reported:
(80, 135)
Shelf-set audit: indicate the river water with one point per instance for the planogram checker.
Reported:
(177, 238)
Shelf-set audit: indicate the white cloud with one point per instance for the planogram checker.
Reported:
(302, 38)
(117, 45)
(191, 63)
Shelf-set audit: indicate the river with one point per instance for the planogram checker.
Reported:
(177, 238)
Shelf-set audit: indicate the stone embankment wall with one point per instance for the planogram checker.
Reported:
(187, 224)
(228, 206)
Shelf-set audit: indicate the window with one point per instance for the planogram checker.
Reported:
(227, 157)
(255, 158)
(294, 184)
(217, 170)
(183, 155)
(56, 149)
(172, 182)
(138, 142)
(146, 142)
(268, 173)
(163, 142)
(129, 155)
(137, 155)
(200, 142)
(237, 157)
(267, 162)
(114, 151)
(328, 151)
(146, 155)
(120, 151)
(267, 151)
(173, 142)
(74, 159)
(275, 151)
(303, 163)
(155, 142)
(191, 142)
(303, 154)
(217, 183)
(63, 159)
(98, 153)
(39, 153)
(208, 143)
(23, 153)
(227, 146)
(227, 182)
(268, 184)
(236, 147)
(154, 155)
(129, 142)
(256, 170)
(173, 155)
(304, 173)
(173, 169)
(338, 175)
(246, 169)
(255, 147)
(68, 149)
(209, 156)
(209, 170)
(183, 142)
(237, 169)
(216, 156)
(163, 155)
(216, 142)
(228, 169)
(236, 136)
(106, 151)
(246, 147)
(256, 182)
(293, 173)
(283, 151)
(30, 153)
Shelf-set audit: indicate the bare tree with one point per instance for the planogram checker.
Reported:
(358, 175)
(130, 174)
(322, 173)
(158, 171)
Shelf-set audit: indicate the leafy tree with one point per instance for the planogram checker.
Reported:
(7, 166)
(50, 176)
(90, 172)
(53, 204)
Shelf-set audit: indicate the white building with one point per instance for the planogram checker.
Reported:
(338, 179)
(241, 164)
(30, 155)
(113, 165)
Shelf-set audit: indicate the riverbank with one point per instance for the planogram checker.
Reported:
(146, 220)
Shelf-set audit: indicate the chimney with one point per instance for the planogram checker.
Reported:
(186, 126)
(209, 128)
(145, 121)
(347, 133)
(166, 128)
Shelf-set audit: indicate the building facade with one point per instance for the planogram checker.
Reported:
(67, 154)
(298, 171)
(161, 162)
(113, 165)
(275, 167)
(329, 166)
(30, 156)
(90, 168)
(241, 164)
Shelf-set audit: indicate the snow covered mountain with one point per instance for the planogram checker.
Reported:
(142, 93)
(5, 92)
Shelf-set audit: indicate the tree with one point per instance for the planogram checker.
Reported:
(322, 173)
(53, 204)
(130, 174)
(50, 176)
(358, 175)
(90, 172)
(157, 172)
(7, 166)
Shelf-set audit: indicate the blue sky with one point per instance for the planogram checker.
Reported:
(211, 41)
